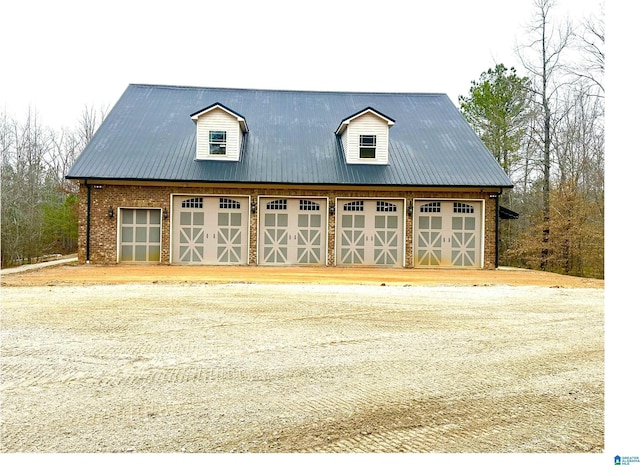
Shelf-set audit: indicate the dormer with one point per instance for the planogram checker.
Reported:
(365, 137)
(219, 132)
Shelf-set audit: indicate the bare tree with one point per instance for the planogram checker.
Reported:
(542, 58)
(39, 206)
(89, 121)
(67, 146)
(578, 207)
(24, 176)
(591, 50)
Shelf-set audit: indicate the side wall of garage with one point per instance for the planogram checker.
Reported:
(104, 233)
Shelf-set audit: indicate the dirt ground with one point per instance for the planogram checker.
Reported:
(94, 274)
(248, 359)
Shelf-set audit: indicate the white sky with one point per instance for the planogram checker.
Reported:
(59, 55)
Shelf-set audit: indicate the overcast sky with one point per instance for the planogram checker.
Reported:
(59, 55)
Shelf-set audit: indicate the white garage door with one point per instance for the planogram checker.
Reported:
(210, 230)
(140, 235)
(369, 232)
(448, 233)
(293, 231)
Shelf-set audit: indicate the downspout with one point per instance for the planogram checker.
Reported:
(497, 226)
(88, 218)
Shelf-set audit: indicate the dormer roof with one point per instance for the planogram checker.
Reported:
(241, 119)
(345, 122)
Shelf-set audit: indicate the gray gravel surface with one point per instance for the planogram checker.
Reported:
(301, 368)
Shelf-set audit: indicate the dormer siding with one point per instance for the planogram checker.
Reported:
(366, 125)
(218, 120)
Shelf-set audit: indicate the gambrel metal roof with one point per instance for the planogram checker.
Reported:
(149, 136)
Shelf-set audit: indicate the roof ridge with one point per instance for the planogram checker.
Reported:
(337, 92)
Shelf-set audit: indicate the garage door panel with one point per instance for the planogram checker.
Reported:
(191, 253)
(127, 234)
(126, 253)
(230, 235)
(296, 234)
(448, 233)
(373, 236)
(211, 230)
(229, 254)
(276, 237)
(309, 246)
(154, 253)
(139, 235)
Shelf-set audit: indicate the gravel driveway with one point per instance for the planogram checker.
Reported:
(302, 368)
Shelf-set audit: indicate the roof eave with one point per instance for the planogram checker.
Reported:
(289, 183)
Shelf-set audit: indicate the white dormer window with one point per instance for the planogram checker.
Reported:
(217, 142)
(367, 146)
(365, 137)
(219, 133)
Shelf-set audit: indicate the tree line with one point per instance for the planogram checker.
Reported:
(39, 210)
(546, 129)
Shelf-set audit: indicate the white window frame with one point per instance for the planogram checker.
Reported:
(220, 143)
(367, 145)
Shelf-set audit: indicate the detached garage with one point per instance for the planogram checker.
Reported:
(209, 176)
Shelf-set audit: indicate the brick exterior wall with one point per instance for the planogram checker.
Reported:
(103, 229)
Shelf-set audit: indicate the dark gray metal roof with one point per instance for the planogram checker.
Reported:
(149, 135)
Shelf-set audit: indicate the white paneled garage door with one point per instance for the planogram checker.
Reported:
(210, 230)
(370, 232)
(292, 231)
(448, 233)
(140, 231)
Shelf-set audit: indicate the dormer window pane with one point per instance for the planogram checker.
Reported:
(217, 142)
(367, 146)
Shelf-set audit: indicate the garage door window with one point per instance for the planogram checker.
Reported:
(385, 207)
(280, 204)
(195, 202)
(462, 208)
(433, 207)
(357, 206)
(140, 235)
(308, 205)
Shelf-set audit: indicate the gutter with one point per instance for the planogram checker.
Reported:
(497, 226)
(88, 186)
(270, 184)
